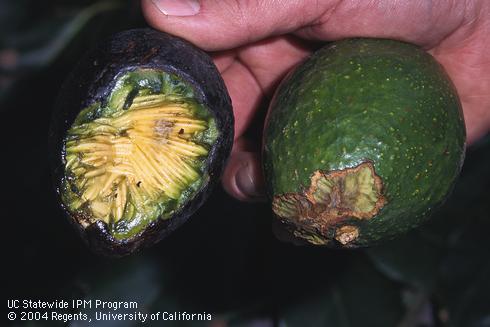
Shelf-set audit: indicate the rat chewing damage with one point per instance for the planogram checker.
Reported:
(124, 163)
(346, 234)
(332, 198)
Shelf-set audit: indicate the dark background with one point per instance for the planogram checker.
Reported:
(225, 260)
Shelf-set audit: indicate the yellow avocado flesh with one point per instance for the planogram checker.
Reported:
(132, 162)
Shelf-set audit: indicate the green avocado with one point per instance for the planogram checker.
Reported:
(362, 142)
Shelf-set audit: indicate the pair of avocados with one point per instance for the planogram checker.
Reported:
(362, 142)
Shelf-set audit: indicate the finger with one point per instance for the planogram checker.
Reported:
(269, 60)
(468, 74)
(253, 71)
(245, 93)
(465, 58)
(225, 24)
(425, 23)
(243, 178)
(224, 59)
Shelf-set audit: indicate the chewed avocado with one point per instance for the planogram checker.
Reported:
(363, 141)
(142, 129)
(140, 156)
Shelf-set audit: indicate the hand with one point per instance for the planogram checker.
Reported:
(258, 41)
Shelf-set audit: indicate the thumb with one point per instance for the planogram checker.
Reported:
(225, 24)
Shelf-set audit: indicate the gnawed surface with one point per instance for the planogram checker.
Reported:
(331, 198)
(346, 234)
(132, 162)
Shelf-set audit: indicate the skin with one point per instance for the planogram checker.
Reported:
(255, 42)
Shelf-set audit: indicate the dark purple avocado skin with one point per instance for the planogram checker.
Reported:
(92, 80)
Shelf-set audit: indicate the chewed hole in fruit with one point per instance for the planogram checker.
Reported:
(332, 198)
(135, 161)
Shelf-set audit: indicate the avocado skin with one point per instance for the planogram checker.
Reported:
(368, 100)
(92, 80)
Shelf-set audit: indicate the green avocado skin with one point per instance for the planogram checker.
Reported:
(377, 100)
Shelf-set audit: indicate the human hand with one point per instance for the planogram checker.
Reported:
(256, 42)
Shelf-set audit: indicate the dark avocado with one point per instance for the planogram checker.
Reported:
(140, 134)
(363, 141)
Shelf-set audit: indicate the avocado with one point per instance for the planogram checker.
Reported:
(362, 142)
(140, 134)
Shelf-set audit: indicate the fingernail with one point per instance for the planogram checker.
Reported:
(178, 7)
(246, 182)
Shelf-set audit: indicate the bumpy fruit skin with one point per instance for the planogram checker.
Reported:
(366, 103)
(93, 79)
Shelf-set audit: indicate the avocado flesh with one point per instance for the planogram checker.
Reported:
(358, 102)
(138, 158)
(332, 197)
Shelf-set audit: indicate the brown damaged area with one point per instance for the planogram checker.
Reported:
(346, 234)
(332, 198)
